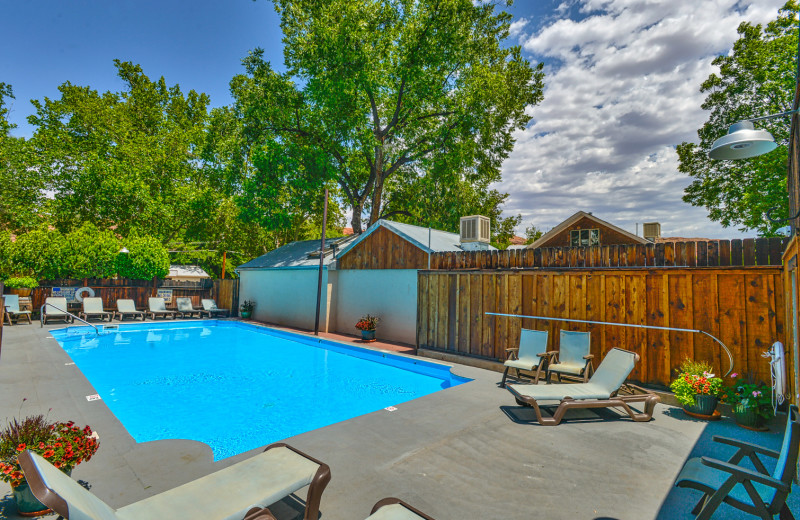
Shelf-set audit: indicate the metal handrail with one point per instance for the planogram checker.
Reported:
(730, 357)
(41, 317)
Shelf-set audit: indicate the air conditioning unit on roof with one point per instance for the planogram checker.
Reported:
(651, 231)
(475, 232)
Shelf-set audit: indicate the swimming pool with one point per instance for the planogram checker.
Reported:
(237, 386)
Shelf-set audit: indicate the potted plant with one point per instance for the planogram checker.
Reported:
(367, 325)
(21, 285)
(751, 404)
(62, 443)
(246, 308)
(697, 389)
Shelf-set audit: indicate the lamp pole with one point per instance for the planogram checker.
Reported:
(321, 261)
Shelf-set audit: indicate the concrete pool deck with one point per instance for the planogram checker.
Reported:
(465, 452)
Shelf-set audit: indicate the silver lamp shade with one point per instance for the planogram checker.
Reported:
(743, 141)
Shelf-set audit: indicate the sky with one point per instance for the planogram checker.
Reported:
(621, 87)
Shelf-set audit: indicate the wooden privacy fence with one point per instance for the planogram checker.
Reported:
(712, 253)
(743, 307)
(225, 292)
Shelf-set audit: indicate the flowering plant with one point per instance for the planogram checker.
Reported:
(63, 444)
(744, 395)
(367, 322)
(695, 378)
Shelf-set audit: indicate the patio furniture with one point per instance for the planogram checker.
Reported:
(93, 307)
(754, 491)
(602, 391)
(128, 307)
(531, 355)
(233, 492)
(185, 308)
(55, 307)
(210, 307)
(573, 357)
(12, 309)
(395, 509)
(158, 307)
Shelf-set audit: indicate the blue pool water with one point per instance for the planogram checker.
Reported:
(236, 386)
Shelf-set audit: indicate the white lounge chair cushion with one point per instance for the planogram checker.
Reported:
(157, 305)
(531, 343)
(522, 364)
(93, 306)
(61, 303)
(226, 494)
(394, 512)
(567, 368)
(557, 392)
(127, 306)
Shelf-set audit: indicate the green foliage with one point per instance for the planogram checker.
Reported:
(694, 368)
(39, 253)
(695, 378)
(746, 395)
(5, 125)
(146, 259)
(532, 234)
(247, 306)
(21, 282)
(91, 253)
(6, 248)
(757, 78)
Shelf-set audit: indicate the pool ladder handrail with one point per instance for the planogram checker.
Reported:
(41, 317)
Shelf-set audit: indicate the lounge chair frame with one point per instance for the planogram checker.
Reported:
(15, 314)
(58, 504)
(388, 501)
(713, 497)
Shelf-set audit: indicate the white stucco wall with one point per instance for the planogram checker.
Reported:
(286, 296)
(390, 294)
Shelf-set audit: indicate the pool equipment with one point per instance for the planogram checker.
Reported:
(79, 293)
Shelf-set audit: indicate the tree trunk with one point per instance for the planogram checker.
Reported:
(356, 220)
(377, 190)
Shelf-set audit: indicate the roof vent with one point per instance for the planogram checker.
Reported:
(651, 231)
(475, 233)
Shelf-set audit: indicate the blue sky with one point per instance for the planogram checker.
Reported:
(622, 85)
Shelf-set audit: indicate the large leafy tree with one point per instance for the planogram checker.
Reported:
(377, 93)
(128, 159)
(757, 78)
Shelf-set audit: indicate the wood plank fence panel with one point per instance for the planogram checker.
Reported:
(741, 306)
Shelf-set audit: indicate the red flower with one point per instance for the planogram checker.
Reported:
(21, 447)
(49, 453)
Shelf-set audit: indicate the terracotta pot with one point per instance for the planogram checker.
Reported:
(703, 404)
(22, 291)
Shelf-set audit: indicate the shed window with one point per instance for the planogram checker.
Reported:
(584, 237)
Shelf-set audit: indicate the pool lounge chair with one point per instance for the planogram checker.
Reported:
(602, 391)
(186, 309)
(754, 491)
(157, 307)
(395, 509)
(573, 357)
(210, 307)
(237, 491)
(531, 355)
(12, 309)
(127, 307)
(55, 308)
(93, 307)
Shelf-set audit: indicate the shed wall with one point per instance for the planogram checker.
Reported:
(608, 236)
(286, 296)
(383, 249)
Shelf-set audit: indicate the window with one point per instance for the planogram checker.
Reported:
(584, 237)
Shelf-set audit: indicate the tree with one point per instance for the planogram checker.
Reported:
(38, 253)
(90, 252)
(532, 234)
(757, 78)
(146, 258)
(377, 93)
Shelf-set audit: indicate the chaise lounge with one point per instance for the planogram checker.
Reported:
(210, 307)
(530, 356)
(93, 307)
(128, 307)
(238, 491)
(602, 391)
(186, 309)
(12, 309)
(55, 307)
(158, 307)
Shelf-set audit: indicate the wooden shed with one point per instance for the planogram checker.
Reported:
(584, 229)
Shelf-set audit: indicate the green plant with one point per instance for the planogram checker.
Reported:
(247, 306)
(695, 378)
(146, 258)
(21, 282)
(62, 443)
(745, 395)
(367, 322)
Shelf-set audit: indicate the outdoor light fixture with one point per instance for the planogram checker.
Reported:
(744, 141)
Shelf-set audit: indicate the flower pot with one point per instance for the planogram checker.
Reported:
(27, 504)
(245, 314)
(22, 291)
(748, 418)
(703, 405)
(368, 335)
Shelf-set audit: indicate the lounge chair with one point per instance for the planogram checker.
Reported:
(185, 308)
(237, 491)
(210, 307)
(93, 307)
(754, 491)
(128, 307)
(395, 509)
(573, 357)
(157, 307)
(602, 391)
(12, 309)
(531, 355)
(55, 308)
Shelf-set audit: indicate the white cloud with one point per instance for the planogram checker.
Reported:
(621, 93)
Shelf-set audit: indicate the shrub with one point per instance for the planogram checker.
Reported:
(91, 253)
(38, 253)
(745, 395)
(21, 282)
(146, 259)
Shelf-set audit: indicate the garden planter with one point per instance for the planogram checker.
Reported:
(27, 503)
(22, 291)
(245, 314)
(748, 418)
(367, 335)
(704, 406)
